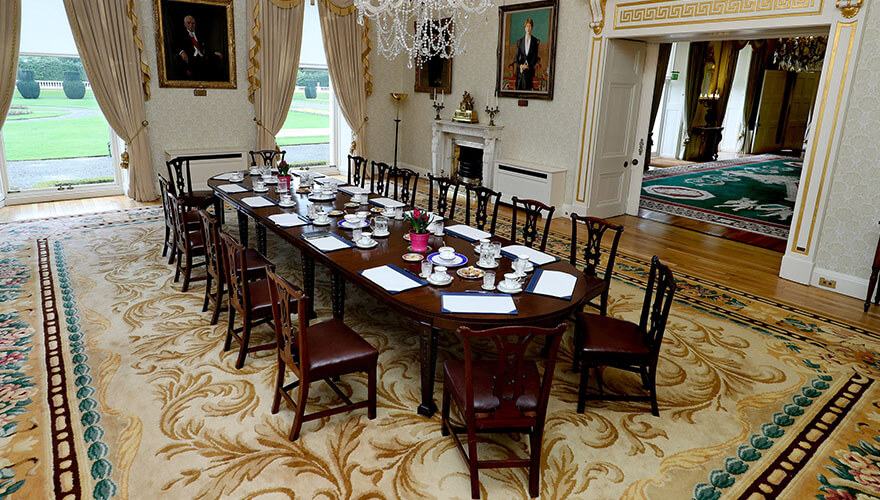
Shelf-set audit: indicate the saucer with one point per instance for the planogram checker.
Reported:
(335, 213)
(439, 283)
(502, 288)
(322, 198)
(347, 225)
(237, 179)
(255, 172)
(487, 287)
(271, 180)
(303, 190)
(287, 205)
(493, 266)
(458, 260)
(382, 235)
(409, 249)
(470, 273)
(412, 256)
(316, 223)
(352, 204)
(264, 190)
(376, 210)
(370, 245)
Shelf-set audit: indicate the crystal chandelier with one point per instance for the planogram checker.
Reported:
(421, 28)
(801, 54)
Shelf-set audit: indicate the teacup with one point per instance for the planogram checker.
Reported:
(511, 281)
(446, 253)
(439, 275)
(259, 185)
(255, 171)
(322, 217)
(352, 218)
(236, 176)
(286, 199)
(366, 238)
(388, 212)
(362, 214)
(521, 264)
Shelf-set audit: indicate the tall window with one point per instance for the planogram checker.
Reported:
(314, 130)
(55, 136)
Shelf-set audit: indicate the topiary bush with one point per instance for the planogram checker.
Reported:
(73, 86)
(311, 89)
(27, 86)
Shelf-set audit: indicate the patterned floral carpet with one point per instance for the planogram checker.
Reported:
(754, 193)
(114, 385)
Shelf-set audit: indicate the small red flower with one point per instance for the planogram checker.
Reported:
(417, 213)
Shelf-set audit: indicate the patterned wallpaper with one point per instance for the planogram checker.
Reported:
(850, 230)
(545, 132)
(388, 76)
(180, 120)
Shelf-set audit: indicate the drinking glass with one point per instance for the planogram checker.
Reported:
(427, 268)
(312, 210)
(381, 225)
(356, 233)
(496, 249)
(438, 227)
(521, 264)
(486, 259)
(489, 280)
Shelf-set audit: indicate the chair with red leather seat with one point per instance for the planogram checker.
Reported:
(592, 252)
(316, 352)
(505, 394)
(618, 343)
(216, 264)
(532, 211)
(180, 184)
(248, 296)
(189, 243)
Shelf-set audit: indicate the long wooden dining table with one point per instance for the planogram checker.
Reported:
(422, 304)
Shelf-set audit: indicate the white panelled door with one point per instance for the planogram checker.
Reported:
(618, 121)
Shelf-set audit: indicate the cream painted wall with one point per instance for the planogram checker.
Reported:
(388, 76)
(850, 232)
(545, 132)
(180, 120)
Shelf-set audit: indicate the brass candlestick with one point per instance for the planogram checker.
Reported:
(492, 111)
(437, 107)
(399, 98)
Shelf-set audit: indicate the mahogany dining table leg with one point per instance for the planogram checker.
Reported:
(337, 286)
(872, 282)
(218, 210)
(308, 277)
(428, 354)
(243, 228)
(261, 238)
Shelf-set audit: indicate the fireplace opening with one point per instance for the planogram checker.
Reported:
(470, 164)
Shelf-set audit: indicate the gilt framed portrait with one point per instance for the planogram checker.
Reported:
(195, 43)
(527, 50)
(435, 74)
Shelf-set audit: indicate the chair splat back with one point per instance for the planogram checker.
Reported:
(658, 300)
(211, 240)
(179, 175)
(236, 270)
(596, 229)
(266, 157)
(445, 207)
(482, 196)
(532, 211)
(357, 170)
(380, 174)
(405, 185)
(292, 347)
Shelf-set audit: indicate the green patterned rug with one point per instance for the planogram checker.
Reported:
(755, 194)
(113, 385)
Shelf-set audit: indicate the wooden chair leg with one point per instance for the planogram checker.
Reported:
(217, 303)
(535, 464)
(472, 462)
(245, 340)
(652, 379)
(207, 292)
(228, 343)
(444, 412)
(176, 266)
(173, 252)
(578, 340)
(371, 393)
(599, 380)
(187, 272)
(300, 409)
(166, 244)
(603, 307)
(279, 386)
(582, 388)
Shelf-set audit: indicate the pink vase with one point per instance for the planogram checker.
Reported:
(284, 182)
(419, 242)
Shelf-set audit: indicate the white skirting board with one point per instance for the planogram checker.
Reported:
(847, 285)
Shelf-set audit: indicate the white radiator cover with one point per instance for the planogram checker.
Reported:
(530, 180)
(202, 170)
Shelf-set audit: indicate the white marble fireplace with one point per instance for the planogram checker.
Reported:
(448, 134)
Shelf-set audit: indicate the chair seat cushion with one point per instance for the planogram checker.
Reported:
(336, 349)
(196, 242)
(255, 262)
(483, 373)
(609, 336)
(260, 301)
(595, 286)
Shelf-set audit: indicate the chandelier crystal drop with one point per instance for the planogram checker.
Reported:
(801, 54)
(421, 29)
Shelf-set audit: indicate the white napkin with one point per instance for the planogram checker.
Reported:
(232, 188)
(287, 220)
(538, 258)
(468, 232)
(555, 284)
(257, 202)
(390, 279)
(328, 243)
(476, 303)
(387, 202)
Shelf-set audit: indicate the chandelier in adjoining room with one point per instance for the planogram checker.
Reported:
(421, 29)
(801, 54)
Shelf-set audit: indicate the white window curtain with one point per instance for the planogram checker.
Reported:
(10, 27)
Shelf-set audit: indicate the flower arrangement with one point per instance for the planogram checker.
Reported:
(283, 168)
(419, 220)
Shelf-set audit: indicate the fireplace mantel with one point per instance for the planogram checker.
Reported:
(444, 132)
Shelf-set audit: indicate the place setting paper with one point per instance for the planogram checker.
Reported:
(232, 188)
(477, 303)
(536, 257)
(467, 232)
(225, 177)
(327, 242)
(353, 190)
(392, 278)
(257, 201)
(289, 220)
(387, 203)
(552, 283)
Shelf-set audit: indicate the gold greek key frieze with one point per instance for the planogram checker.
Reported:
(650, 13)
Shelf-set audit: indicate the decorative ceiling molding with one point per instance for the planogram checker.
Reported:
(849, 8)
(655, 13)
(597, 11)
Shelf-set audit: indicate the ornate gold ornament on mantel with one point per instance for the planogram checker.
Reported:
(849, 8)
(466, 112)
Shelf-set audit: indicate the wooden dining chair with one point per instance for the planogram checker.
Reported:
(170, 239)
(592, 254)
(380, 177)
(216, 264)
(323, 351)
(189, 242)
(406, 183)
(505, 394)
(445, 206)
(532, 211)
(617, 343)
(180, 184)
(481, 196)
(357, 170)
(266, 157)
(247, 296)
